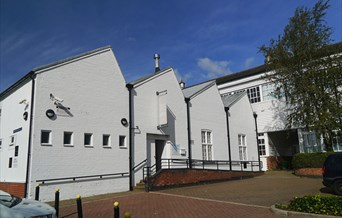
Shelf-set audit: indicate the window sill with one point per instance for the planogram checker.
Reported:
(107, 146)
(46, 144)
(89, 146)
(123, 147)
(67, 145)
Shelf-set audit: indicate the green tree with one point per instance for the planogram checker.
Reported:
(308, 68)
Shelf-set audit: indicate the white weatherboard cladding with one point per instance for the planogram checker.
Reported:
(146, 114)
(94, 89)
(241, 121)
(207, 113)
(12, 120)
(271, 113)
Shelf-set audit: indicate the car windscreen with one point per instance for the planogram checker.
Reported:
(9, 200)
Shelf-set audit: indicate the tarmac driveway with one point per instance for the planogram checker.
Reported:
(266, 190)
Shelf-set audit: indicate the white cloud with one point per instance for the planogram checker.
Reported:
(214, 68)
(249, 62)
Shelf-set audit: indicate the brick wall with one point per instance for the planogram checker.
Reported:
(178, 177)
(16, 189)
(272, 163)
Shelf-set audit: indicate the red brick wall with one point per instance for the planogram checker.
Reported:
(183, 177)
(309, 172)
(272, 163)
(16, 189)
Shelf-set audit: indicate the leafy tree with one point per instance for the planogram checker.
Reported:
(308, 69)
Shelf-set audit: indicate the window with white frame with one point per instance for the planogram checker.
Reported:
(16, 151)
(242, 146)
(68, 139)
(254, 94)
(106, 140)
(122, 141)
(88, 139)
(207, 145)
(45, 137)
(12, 140)
(337, 141)
(261, 142)
(10, 162)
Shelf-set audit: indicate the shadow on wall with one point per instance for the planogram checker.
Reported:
(170, 127)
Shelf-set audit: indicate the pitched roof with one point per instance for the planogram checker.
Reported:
(330, 49)
(30, 74)
(144, 78)
(194, 90)
(229, 100)
(242, 74)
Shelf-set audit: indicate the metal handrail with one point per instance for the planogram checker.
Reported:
(139, 164)
(82, 177)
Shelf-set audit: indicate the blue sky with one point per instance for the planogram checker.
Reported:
(201, 40)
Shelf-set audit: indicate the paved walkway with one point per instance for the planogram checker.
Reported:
(239, 198)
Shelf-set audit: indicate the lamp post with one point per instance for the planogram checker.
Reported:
(255, 115)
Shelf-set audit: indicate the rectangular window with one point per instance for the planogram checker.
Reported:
(12, 140)
(0, 144)
(261, 142)
(16, 151)
(242, 147)
(207, 145)
(254, 94)
(68, 138)
(45, 137)
(106, 140)
(88, 139)
(10, 161)
(122, 141)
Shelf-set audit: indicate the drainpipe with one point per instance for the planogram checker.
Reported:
(131, 129)
(187, 101)
(228, 136)
(257, 140)
(27, 181)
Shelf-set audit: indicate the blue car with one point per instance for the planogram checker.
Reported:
(15, 207)
(332, 173)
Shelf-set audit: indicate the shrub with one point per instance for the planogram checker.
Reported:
(309, 160)
(317, 204)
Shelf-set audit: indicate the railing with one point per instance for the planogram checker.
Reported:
(101, 176)
(245, 166)
(139, 164)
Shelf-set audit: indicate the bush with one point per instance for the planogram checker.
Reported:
(317, 204)
(309, 160)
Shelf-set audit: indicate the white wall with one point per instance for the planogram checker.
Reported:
(146, 115)
(94, 89)
(11, 121)
(241, 121)
(207, 113)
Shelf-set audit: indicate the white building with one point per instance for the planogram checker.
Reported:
(77, 126)
(62, 121)
(277, 144)
(158, 120)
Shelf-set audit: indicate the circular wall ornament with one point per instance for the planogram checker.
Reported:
(50, 113)
(124, 122)
(25, 115)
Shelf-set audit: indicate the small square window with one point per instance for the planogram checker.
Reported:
(10, 161)
(122, 141)
(12, 140)
(16, 151)
(106, 140)
(88, 139)
(45, 137)
(68, 138)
